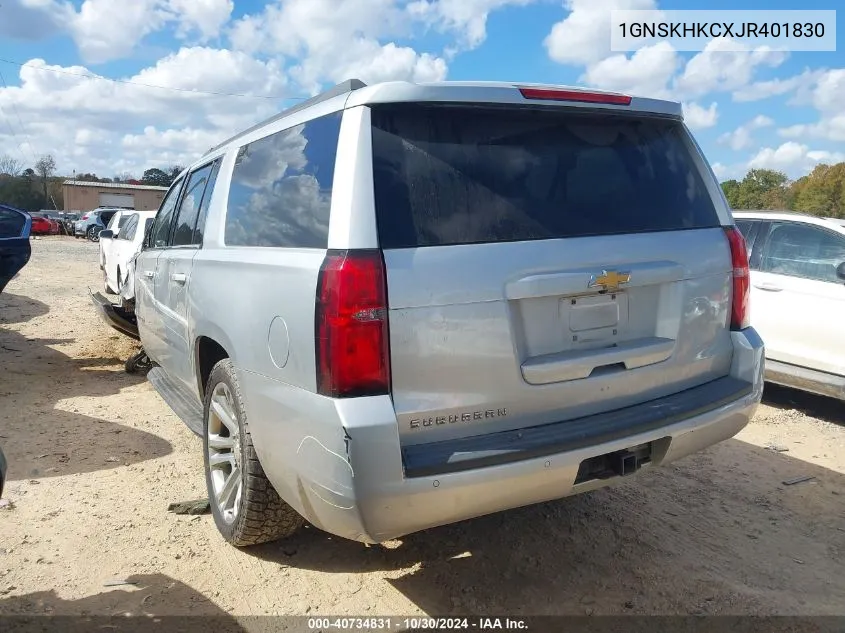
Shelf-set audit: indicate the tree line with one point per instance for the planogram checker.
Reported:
(39, 187)
(821, 192)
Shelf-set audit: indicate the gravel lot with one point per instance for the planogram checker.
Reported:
(96, 457)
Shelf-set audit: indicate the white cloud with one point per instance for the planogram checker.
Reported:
(829, 92)
(716, 69)
(206, 16)
(332, 41)
(825, 91)
(110, 29)
(647, 72)
(793, 158)
(698, 117)
(583, 37)
(655, 70)
(741, 138)
(720, 170)
(775, 87)
(107, 127)
(468, 18)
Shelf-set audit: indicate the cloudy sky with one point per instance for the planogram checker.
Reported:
(120, 85)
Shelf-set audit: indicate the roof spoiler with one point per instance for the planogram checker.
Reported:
(342, 88)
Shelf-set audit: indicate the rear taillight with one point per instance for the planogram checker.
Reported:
(84, 217)
(351, 325)
(740, 310)
(557, 94)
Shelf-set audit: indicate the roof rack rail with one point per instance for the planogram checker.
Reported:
(342, 88)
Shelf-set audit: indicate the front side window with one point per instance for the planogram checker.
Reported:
(160, 232)
(281, 188)
(802, 250)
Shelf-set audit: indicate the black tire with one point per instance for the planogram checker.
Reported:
(93, 233)
(138, 363)
(262, 515)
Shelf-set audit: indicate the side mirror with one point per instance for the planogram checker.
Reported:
(840, 271)
(106, 235)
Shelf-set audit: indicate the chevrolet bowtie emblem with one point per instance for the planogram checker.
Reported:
(610, 280)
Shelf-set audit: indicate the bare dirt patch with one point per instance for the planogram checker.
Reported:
(96, 457)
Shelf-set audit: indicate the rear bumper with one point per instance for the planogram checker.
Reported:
(340, 464)
(121, 320)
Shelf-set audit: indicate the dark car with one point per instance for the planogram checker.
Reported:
(15, 227)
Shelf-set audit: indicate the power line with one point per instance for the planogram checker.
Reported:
(12, 132)
(20, 121)
(145, 85)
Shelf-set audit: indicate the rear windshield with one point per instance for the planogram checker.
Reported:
(459, 175)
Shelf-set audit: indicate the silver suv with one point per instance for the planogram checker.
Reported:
(398, 306)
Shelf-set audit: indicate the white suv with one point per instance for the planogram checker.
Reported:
(798, 294)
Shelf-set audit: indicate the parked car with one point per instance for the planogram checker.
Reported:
(15, 249)
(798, 293)
(117, 221)
(92, 222)
(69, 220)
(118, 251)
(43, 225)
(436, 301)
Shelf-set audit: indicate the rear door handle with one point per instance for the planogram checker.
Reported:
(179, 278)
(149, 274)
(768, 287)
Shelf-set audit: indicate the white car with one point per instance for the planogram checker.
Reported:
(118, 251)
(798, 297)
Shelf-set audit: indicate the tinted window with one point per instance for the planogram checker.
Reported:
(199, 230)
(161, 228)
(11, 223)
(458, 175)
(801, 250)
(127, 232)
(106, 217)
(123, 220)
(189, 208)
(282, 187)
(744, 227)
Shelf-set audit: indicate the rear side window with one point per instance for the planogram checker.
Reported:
(281, 187)
(461, 175)
(127, 232)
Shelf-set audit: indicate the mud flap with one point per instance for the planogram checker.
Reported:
(121, 320)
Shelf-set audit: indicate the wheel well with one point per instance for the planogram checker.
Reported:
(209, 353)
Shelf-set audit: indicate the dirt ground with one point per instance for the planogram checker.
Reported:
(96, 457)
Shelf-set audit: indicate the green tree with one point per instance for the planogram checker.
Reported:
(174, 171)
(731, 189)
(157, 177)
(759, 189)
(822, 192)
